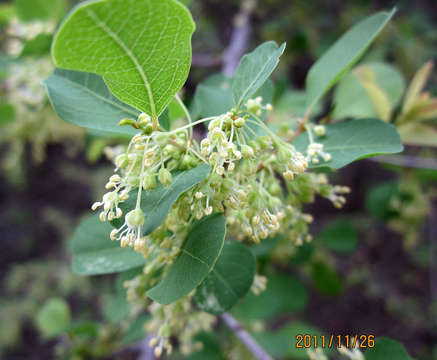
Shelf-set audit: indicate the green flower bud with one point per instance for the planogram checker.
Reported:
(161, 138)
(135, 218)
(227, 185)
(164, 331)
(239, 123)
(164, 176)
(144, 119)
(128, 121)
(149, 181)
(121, 161)
(148, 129)
(247, 151)
(263, 141)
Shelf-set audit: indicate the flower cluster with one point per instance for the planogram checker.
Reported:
(257, 179)
(179, 318)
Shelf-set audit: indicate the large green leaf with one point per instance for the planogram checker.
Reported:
(84, 99)
(253, 71)
(157, 203)
(339, 235)
(229, 281)
(348, 141)
(30, 10)
(387, 349)
(352, 98)
(142, 48)
(198, 256)
(343, 55)
(94, 253)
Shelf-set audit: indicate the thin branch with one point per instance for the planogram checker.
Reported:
(239, 39)
(245, 337)
(407, 161)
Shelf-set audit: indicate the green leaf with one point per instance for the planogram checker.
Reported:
(325, 279)
(253, 71)
(38, 46)
(284, 294)
(157, 203)
(84, 99)
(213, 96)
(229, 281)
(348, 141)
(351, 98)
(94, 253)
(379, 198)
(54, 318)
(198, 256)
(293, 102)
(142, 48)
(387, 349)
(339, 235)
(343, 55)
(30, 10)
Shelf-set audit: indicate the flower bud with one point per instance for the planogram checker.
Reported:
(319, 130)
(144, 119)
(135, 218)
(149, 181)
(121, 161)
(164, 176)
(239, 122)
(247, 151)
(128, 121)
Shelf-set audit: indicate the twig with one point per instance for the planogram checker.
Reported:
(245, 338)
(407, 161)
(239, 38)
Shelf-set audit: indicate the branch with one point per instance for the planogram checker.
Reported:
(245, 337)
(407, 161)
(239, 38)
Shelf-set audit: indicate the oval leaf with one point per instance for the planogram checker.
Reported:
(343, 55)
(84, 99)
(54, 318)
(339, 235)
(157, 203)
(94, 253)
(229, 281)
(142, 48)
(254, 69)
(198, 256)
(348, 141)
